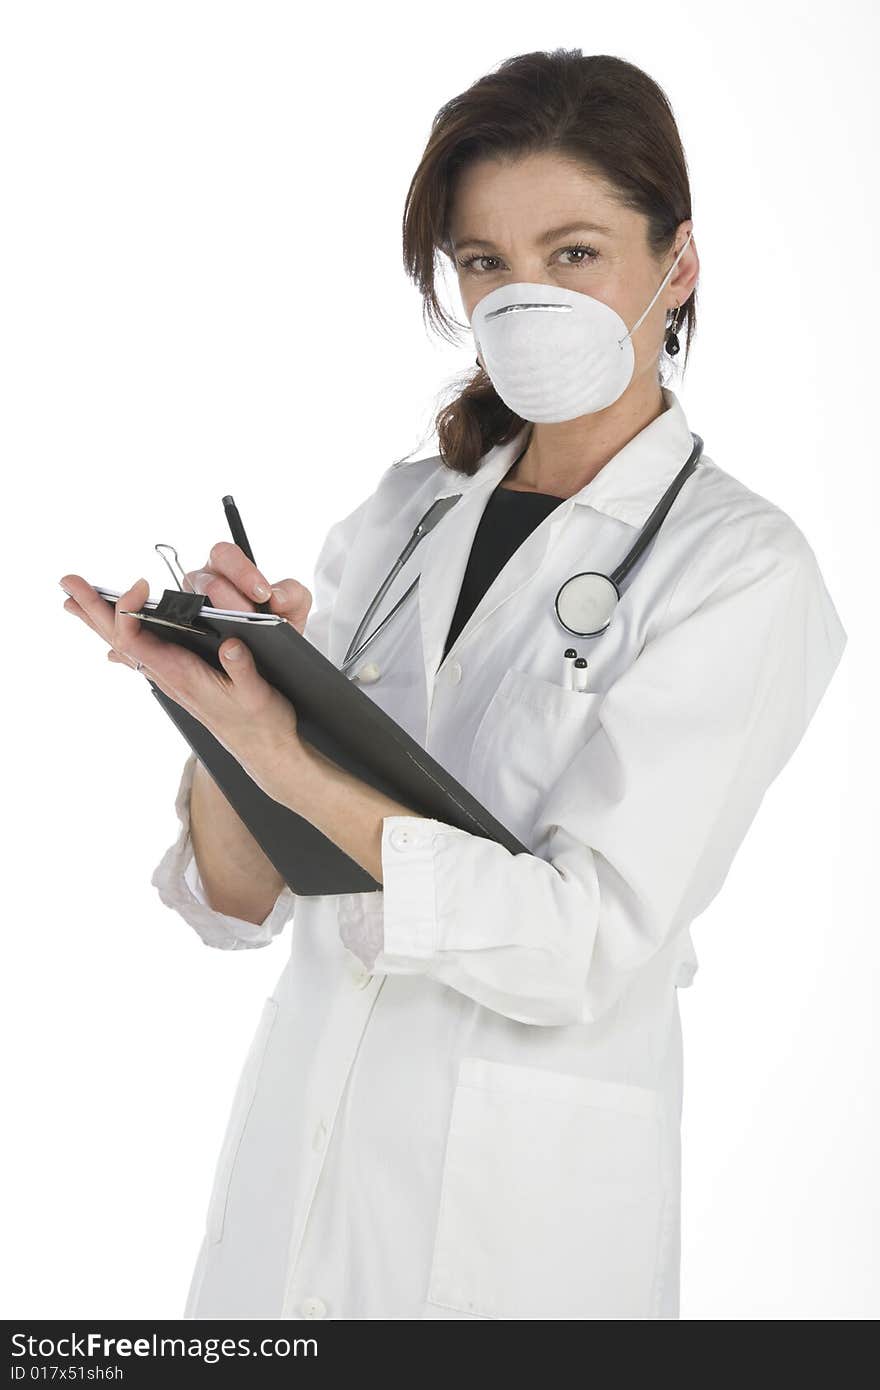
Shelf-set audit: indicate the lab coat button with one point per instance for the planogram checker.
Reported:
(314, 1308)
(360, 977)
(369, 673)
(454, 673)
(401, 837)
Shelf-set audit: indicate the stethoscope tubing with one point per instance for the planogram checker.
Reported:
(352, 655)
(658, 515)
(356, 647)
(439, 507)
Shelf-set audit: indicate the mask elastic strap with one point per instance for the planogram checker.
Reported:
(663, 282)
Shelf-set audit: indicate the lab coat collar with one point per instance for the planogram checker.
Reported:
(628, 486)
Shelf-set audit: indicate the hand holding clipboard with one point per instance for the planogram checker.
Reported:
(236, 584)
(286, 690)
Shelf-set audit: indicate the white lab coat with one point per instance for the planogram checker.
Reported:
(487, 1124)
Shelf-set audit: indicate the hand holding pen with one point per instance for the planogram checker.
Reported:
(243, 711)
(231, 579)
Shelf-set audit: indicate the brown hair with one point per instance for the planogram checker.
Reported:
(608, 115)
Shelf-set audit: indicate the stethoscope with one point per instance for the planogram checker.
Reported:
(584, 603)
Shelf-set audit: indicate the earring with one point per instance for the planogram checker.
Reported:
(672, 344)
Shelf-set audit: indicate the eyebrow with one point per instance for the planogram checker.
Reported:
(545, 237)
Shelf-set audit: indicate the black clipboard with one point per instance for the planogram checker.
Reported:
(335, 716)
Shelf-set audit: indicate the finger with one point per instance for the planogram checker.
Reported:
(166, 664)
(293, 600)
(176, 688)
(134, 665)
(231, 562)
(121, 660)
(220, 590)
(239, 664)
(127, 627)
(133, 662)
(172, 666)
(71, 606)
(96, 611)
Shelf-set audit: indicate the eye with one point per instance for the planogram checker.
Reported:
(588, 254)
(467, 262)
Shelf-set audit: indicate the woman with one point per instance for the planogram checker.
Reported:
(463, 1098)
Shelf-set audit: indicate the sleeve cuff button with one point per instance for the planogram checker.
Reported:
(402, 837)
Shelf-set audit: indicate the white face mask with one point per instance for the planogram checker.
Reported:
(552, 353)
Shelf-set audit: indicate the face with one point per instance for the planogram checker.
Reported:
(511, 205)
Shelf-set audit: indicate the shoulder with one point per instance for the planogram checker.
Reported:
(411, 473)
(727, 536)
(401, 480)
(740, 552)
(405, 489)
(736, 520)
(756, 575)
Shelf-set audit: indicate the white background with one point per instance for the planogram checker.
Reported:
(202, 292)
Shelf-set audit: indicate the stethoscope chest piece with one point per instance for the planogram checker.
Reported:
(586, 602)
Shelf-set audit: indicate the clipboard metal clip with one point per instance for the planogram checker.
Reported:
(183, 609)
(178, 606)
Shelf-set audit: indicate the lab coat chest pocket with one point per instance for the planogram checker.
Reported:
(243, 1099)
(553, 1197)
(527, 737)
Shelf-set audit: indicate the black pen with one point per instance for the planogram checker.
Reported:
(240, 537)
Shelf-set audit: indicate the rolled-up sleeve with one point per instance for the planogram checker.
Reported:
(177, 879)
(635, 839)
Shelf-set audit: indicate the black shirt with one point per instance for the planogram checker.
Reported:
(509, 517)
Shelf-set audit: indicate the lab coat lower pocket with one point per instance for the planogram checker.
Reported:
(553, 1196)
(242, 1101)
(529, 733)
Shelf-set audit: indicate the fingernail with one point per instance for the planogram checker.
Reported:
(233, 652)
(65, 588)
(278, 595)
(261, 591)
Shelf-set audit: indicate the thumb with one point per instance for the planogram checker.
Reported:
(237, 661)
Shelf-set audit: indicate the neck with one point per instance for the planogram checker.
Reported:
(562, 458)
